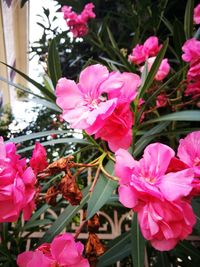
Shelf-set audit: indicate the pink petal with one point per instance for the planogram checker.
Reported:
(164, 245)
(124, 165)
(156, 159)
(127, 196)
(176, 185)
(68, 94)
(91, 78)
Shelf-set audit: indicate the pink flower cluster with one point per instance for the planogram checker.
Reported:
(100, 104)
(17, 185)
(191, 50)
(197, 14)
(148, 51)
(63, 251)
(159, 188)
(78, 23)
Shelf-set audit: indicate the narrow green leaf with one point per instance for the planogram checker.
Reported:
(23, 138)
(163, 86)
(20, 87)
(47, 104)
(54, 67)
(38, 213)
(57, 141)
(137, 243)
(114, 44)
(32, 224)
(153, 70)
(188, 19)
(42, 89)
(148, 137)
(186, 115)
(119, 248)
(64, 219)
(102, 191)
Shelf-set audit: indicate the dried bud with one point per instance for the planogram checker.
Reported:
(51, 195)
(94, 248)
(94, 224)
(69, 189)
(57, 166)
(37, 193)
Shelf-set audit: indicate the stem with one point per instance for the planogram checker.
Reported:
(78, 231)
(94, 142)
(95, 180)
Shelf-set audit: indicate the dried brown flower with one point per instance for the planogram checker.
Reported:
(93, 224)
(94, 248)
(51, 195)
(70, 190)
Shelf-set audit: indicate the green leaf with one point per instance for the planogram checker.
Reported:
(102, 191)
(56, 141)
(188, 19)
(23, 138)
(162, 87)
(54, 67)
(119, 248)
(186, 115)
(137, 243)
(64, 219)
(42, 89)
(48, 104)
(20, 87)
(32, 224)
(153, 70)
(38, 213)
(185, 249)
(148, 137)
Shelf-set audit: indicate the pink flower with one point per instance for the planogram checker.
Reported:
(161, 100)
(33, 259)
(139, 54)
(117, 130)
(197, 14)
(89, 103)
(67, 252)
(189, 151)
(163, 70)
(78, 23)
(63, 251)
(193, 88)
(165, 223)
(38, 161)
(191, 49)
(143, 180)
(151, 46)
(17, 185)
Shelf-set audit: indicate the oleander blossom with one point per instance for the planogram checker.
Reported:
(140, 53)
(78, 23)
(38, 161)
(197, 14)
(191, 54)
(100, 99)
(146, 186)
(163, 70)
(16, 185)
(189, 151)
(64, 251)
